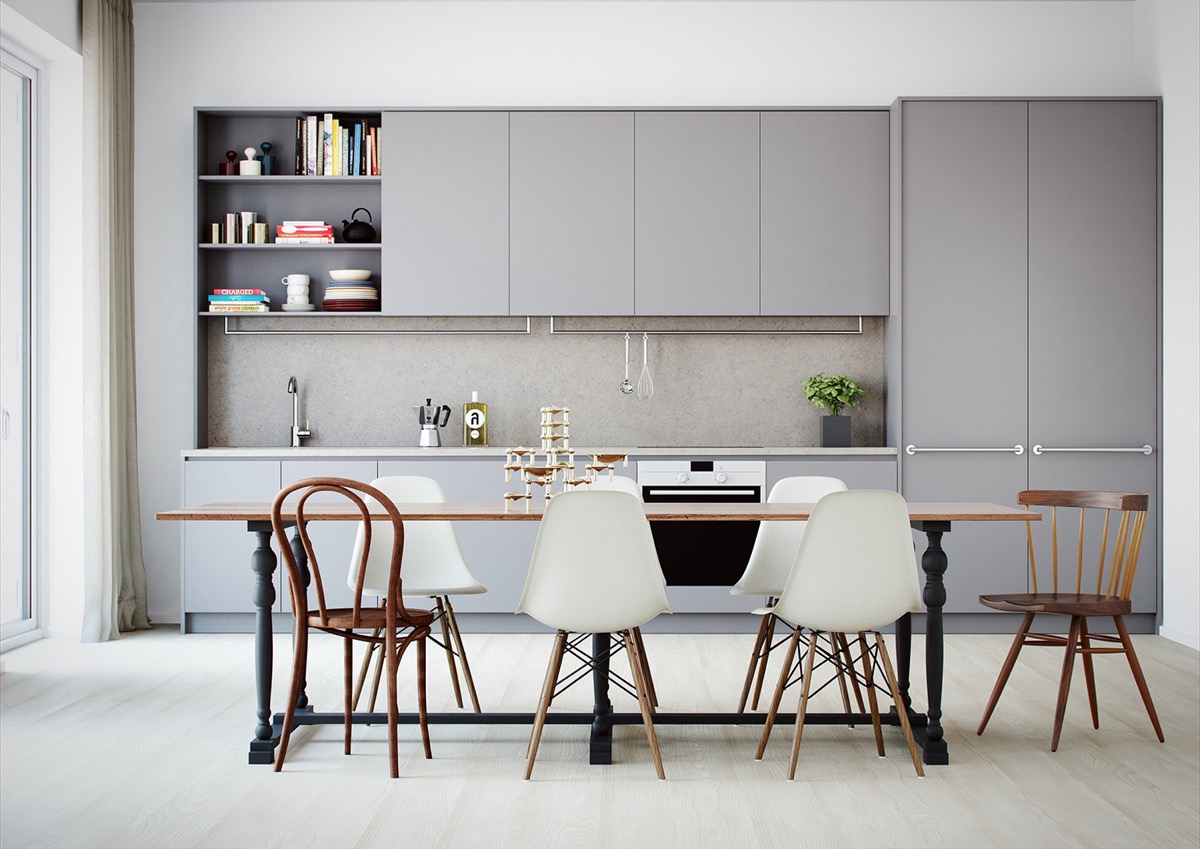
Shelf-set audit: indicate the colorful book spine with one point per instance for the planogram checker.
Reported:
(238, 308)
(298, 164)
(310, 150)
(238, 292)
(227, 299)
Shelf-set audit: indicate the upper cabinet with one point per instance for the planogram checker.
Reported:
(824, 236)
(571, 206)
(446, 201)
(696, 244)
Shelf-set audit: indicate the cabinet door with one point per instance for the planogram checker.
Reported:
(964, 331)
(1093, 301)
(824, 183)
(333, 541)
(572, 213)
(445, 198)
(855, 472)
(497, 553)
(216, 555)
(697, 213)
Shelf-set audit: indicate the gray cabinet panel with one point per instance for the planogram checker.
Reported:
(824, 183)
(855, 472)
(445, 198)
(964, 346)
(497, 553)
(697, 213)
(333, 541)
(216, 555)
(572, 213)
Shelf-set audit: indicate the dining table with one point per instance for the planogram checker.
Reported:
(933, 519)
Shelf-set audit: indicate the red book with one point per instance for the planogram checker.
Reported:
(238, 292)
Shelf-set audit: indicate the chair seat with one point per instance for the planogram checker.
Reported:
(414, 591)
(1068, 604)
(368, 618)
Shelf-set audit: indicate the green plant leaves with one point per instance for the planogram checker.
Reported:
(833, 392)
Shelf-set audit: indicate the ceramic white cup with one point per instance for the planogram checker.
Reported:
(297, 289)
(297, 299)
(295, 280)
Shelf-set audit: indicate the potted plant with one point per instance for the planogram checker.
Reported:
(835, 393)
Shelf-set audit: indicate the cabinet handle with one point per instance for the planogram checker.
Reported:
(1016, 449)
(1145, 449)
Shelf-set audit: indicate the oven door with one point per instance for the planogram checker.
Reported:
(703, 554)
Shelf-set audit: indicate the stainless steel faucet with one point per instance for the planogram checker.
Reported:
(298, 433)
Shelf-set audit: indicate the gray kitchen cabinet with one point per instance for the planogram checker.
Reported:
(216, 555)
(825, 212)
(697, 213)
(1093, 267)
(497, 553)
(571, 239)
(855, 472)
(333, 541)
(964, 357)
(445, 197)
(1030, 297)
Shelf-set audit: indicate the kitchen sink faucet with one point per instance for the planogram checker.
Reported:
(298, 433)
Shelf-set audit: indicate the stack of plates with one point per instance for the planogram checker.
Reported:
(351, 297)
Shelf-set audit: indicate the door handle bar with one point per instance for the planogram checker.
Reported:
(1016, 449)
(1145, 449)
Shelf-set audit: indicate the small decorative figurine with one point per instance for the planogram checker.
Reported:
(250, 167)
(228, 168)
(268, 159)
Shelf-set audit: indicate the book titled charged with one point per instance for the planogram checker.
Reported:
(238, 292)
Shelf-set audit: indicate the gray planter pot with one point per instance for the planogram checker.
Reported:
(835, 431)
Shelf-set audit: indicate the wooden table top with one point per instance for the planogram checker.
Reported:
(933, 511)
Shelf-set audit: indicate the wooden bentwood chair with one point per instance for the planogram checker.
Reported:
(393, 625)
(1110, 598)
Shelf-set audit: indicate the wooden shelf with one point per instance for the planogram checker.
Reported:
(283, 179)
(275, 246)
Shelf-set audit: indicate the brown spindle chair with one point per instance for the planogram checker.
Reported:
(393, 625)
(1113, 585)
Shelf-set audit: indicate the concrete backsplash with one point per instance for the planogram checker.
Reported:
(709, 390)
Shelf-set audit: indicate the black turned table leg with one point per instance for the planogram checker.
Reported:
(600, 751)
(904, 658)
(263, 563)
(933, 563)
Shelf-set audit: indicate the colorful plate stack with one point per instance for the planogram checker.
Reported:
(351, 297)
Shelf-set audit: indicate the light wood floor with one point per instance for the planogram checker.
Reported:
(142, 742)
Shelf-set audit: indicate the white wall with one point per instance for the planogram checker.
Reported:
(499, 53)
(59, 545)
(1167, 34)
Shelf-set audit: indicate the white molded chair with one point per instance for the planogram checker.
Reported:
(770, 564)
(594, 570)
(855, 571)
(433, 567)
(620, 483)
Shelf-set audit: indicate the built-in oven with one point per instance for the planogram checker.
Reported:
(702, 554)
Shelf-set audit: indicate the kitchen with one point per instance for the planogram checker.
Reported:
(735, 55)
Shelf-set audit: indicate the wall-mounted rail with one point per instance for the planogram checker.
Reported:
(1016, 449)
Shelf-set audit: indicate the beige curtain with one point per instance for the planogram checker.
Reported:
(114, 574)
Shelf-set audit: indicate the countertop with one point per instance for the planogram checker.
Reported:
(314, 453)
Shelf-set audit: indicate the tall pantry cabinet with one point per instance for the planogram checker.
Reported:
(1029, 268)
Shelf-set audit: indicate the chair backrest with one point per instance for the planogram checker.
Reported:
(594, 567)
(433, 560)
(365, 498)
(1112, 551)
(856, 569)
(775, 546)
(620, 483)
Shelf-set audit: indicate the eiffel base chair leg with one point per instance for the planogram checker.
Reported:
(778, 697)
(637, 666)
(548, 685)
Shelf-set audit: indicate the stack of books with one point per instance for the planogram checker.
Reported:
(304, 233)
(332, 146)
(238, 300)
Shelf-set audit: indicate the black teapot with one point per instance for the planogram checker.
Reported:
(358, 231)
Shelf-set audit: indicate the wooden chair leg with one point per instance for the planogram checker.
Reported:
(441, 618)
(299, 663)
(869, 674)
(365, 667)
(774, 709)
(392, 659)
(766, 656)
(539, 720)
(802, 707)
(1089, 673)
(1005, 671)
(422, 704)
(1064, 684)
(835, 657)
(1138, 677)
(853, 678)
(756, 657)
(637, 667)
(649, 679)
(347, 695)
(899, 702)
(462, 654)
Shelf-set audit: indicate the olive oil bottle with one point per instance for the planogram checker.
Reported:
(475, 422)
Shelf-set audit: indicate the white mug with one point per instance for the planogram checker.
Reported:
(295, 280)
(297, 299)
(297, 289)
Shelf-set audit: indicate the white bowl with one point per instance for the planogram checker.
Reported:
(343, 275)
